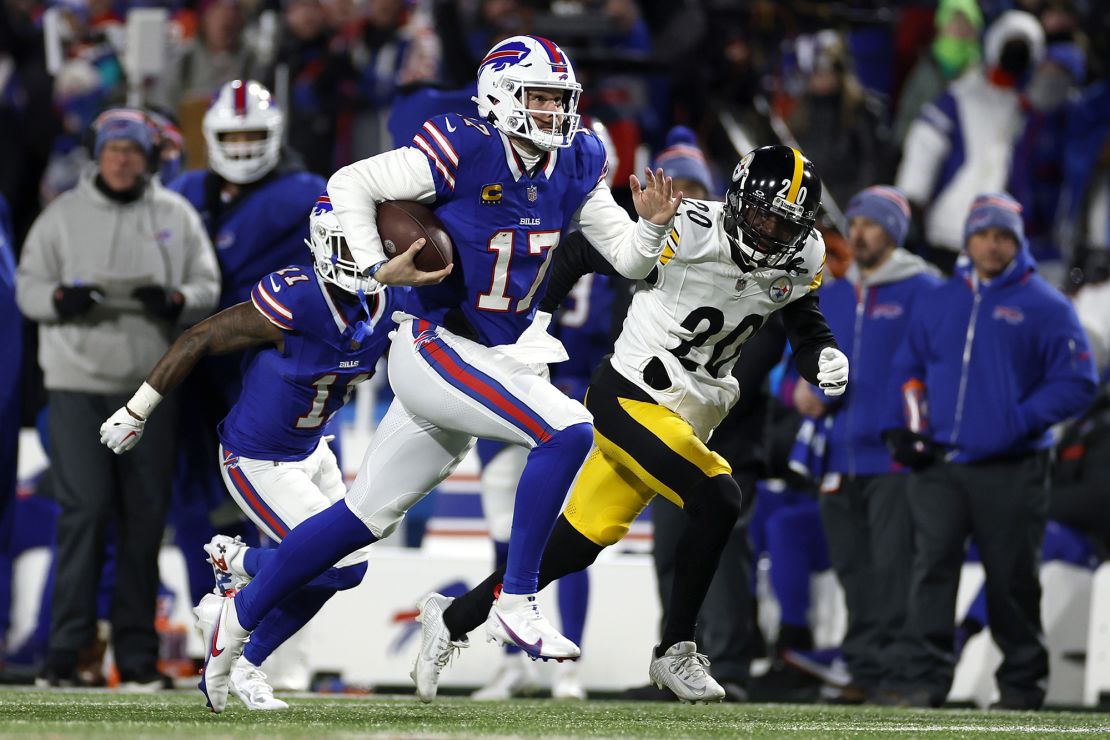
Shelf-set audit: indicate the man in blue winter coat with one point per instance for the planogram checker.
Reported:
(1001, 357)
(863, 492)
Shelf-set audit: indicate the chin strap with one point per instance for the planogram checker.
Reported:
(362, 328)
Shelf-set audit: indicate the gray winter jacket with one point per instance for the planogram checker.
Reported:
(83, 237)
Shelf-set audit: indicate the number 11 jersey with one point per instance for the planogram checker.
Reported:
(289, 395)
(689, 319)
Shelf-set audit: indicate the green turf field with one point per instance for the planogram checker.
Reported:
(29, 713)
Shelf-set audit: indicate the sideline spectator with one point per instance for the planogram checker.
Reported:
(836, 121)
(962, 143)
(1000, 357)
(863, 496)
(954, 50)
(217, 55)
(109, 270)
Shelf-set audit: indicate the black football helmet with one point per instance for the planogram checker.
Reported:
(771, 204)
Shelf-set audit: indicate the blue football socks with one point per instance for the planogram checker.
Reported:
(551, 468)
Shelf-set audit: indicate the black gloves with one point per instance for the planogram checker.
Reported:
(913, 450)
(165, 304)
(71, 301)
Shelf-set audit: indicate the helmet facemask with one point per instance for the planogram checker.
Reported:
(763, 225)
(332, 257)
(521, 121)
(243, 130)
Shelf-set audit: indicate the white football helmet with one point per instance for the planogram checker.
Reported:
(243, 106)
(513, 67)
(331, 257)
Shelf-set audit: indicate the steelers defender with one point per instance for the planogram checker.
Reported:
(668, 384)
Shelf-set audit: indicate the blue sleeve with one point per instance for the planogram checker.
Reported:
(1069, 383)
(443, 140)
(593, 159)
(941, 114)
(909, 363)
(283, 297)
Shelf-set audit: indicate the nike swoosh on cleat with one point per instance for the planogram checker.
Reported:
(525, 646)
(215, 634)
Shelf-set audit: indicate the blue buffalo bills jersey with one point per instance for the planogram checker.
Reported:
(289, 396)
(262, 231)
(505, 221)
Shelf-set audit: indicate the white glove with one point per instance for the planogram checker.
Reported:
(832, 371)
(122, 431)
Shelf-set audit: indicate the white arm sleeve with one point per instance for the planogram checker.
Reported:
(632, 248)
(357, 189)
(922, 155)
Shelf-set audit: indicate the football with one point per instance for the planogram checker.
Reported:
(402, 222)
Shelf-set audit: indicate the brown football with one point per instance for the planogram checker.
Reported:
(402, 222)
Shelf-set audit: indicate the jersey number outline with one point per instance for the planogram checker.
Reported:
(314, 419)
(698, 218)
(294, 279)
(496, 299)
(724, 350)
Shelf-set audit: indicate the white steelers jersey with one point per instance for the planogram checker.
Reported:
(693, 318)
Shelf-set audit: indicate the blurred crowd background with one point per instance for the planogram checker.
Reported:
(945, 100)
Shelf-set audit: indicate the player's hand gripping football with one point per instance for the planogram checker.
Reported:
(656, 201)
(832, 371)
(402, 270)
(122, 431)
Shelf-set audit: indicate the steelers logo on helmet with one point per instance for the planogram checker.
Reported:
(771, 205)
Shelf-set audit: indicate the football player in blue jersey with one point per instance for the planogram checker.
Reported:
(465, 360)
(584, 326)
(254, 200)
(311, 335)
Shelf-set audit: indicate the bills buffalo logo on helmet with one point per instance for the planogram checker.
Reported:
(506, 55)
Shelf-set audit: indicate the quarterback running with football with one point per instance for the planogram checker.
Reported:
(311, 336)
(468, 356)
(727, 266)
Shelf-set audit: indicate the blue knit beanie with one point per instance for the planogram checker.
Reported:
(122, 123)
(995, 209)
(682, 158)
(885, 206)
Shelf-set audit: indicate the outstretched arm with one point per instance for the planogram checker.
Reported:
(631, 247)
(232, 329)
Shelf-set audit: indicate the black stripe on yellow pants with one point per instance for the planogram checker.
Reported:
(643, 449)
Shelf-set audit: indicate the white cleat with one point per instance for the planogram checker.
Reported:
(249, 683)
(226, 555)
(207, 612)
(222, 649)
(682, 669)
(567, 683)
(515, 677)
(516, 619)
(436, 646)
